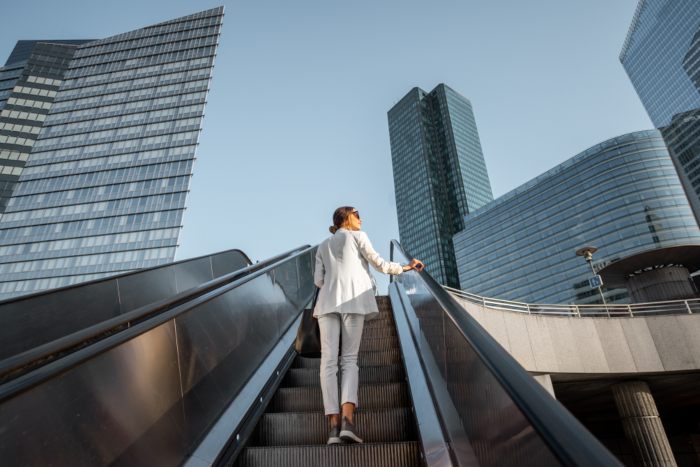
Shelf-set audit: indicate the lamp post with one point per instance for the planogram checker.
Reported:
(587, 253)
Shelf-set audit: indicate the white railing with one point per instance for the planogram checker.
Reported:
(633, 309)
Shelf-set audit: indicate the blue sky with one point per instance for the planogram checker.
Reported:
(296, 120)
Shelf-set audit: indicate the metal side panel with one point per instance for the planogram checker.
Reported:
(226, 431)
(27, 322)
(435, 449)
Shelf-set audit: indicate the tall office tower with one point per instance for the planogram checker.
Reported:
(439, 174)
(28, 84)
(100, 137)
(661, 55)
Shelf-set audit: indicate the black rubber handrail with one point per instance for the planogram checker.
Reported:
(23, 362)
(568, 440)
(112, 277)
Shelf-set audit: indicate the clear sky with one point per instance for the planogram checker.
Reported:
(296, 119)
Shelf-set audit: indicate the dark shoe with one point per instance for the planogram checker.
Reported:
(348, 432)
(333, 436)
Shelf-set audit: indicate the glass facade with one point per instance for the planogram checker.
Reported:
(622, 196)
(661, 56)
(439, 174)
(28, 84)
(12, 156)
(106, 149)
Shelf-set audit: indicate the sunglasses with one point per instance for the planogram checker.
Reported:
(357, 213)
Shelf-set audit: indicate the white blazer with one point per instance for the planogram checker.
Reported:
(342, 274)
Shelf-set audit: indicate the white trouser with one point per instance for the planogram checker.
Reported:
(331, 326)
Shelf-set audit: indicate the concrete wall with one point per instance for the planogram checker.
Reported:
(555, 344)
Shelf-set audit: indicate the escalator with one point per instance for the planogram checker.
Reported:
(207, 376)
(293, 431)
(144, 386)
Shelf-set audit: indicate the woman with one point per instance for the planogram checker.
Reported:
(345, 301)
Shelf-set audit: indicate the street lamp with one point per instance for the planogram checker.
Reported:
(587, 253)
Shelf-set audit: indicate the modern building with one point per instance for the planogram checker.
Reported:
(97, 142)
(661, 55)
(439, 174)
(622, 196)
(29, 101)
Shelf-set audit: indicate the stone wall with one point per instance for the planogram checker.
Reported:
(557, 344)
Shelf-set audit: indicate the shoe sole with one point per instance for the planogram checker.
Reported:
(334, 440)
(350, 437)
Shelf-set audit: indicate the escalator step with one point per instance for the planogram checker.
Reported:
(379, 328)
(368, 375)
(371, 396)
(287, 429)
(383, 300)
(368, 358)
(379, 343)
(303, 362)
(405, 454)
(384, 322)
(379, 357)
(372, 332)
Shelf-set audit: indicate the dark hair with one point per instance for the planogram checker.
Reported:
(339, 217)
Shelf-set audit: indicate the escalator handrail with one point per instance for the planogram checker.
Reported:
(16, 365)
(572, 443)
(32, 295)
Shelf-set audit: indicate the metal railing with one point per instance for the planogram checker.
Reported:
(672, 307)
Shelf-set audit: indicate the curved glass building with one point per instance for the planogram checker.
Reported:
(622, 196)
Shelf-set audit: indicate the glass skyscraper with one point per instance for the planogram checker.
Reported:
(661, 55)
(98, 139)
(439, 174)
(28, 84)
(622, 196)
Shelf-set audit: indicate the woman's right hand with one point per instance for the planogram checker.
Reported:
(414, 264)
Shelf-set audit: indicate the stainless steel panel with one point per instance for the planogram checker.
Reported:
(92, 413)
(216, 441)
(193, 273)
(27, 322)
(234, 322)
(227, 261)
(146, 287)
(496, 428)
(434, 446)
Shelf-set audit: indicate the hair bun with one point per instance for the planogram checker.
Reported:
(332, 229)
